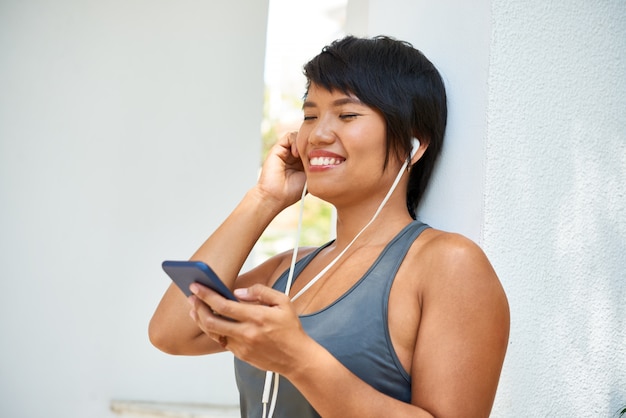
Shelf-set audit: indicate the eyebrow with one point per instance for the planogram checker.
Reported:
(336, 103)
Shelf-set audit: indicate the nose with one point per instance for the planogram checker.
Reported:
(323, 133)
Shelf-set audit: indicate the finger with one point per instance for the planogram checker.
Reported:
(261, 294)
(217, 312)
(285, 140)
(204, 293)
(219, 338)
(214, 302)
(285, 149)
(200, 310)
(293, 136)
(212, 324)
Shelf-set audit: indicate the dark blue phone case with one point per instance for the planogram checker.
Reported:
(184, 273)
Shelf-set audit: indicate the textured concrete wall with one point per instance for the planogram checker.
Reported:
(555, 203)
(538, 89)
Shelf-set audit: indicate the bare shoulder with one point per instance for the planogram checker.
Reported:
(451, 245)
(453, 259)
(459, 287)
(464, 326)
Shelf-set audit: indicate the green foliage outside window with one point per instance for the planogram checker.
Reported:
(317, 214)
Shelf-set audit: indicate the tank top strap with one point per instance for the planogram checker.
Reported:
(281, 282)
(393, 255)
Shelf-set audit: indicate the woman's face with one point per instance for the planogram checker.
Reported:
(342, 144)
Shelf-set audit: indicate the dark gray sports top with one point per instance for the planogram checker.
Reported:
(354, 329)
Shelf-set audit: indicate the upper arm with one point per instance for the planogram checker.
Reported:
(463, 332)
(269, 271)
(173, 331)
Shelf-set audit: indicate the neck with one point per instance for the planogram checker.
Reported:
(372, 211)
(350, 221)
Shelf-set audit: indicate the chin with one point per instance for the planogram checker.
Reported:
(322, 191)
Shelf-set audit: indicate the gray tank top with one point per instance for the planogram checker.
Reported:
(354, 329)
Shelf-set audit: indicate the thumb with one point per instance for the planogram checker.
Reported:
(261, 294)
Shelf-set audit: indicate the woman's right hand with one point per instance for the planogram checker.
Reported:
(282, 176)
(279, 186)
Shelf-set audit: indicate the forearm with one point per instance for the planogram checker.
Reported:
(171, 328)
(323, 381)
(228, 247)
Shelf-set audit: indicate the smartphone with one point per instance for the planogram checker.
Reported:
(184, 273)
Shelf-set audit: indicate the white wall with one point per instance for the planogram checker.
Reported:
(454, 202)
(534, 169)
(128, 130)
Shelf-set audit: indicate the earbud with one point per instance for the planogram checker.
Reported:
(415, 145)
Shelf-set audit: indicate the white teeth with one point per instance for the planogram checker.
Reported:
(321, 161)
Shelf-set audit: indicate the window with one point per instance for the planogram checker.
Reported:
(297, 31)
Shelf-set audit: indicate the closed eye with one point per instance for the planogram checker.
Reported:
(348, 115)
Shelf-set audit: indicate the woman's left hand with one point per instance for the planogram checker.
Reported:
(262, 329)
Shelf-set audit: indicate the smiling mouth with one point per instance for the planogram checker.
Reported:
(325, 161)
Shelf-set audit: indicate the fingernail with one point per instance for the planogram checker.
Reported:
(241, 292)
(193, 288)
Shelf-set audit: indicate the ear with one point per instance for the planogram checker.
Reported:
(418, 149)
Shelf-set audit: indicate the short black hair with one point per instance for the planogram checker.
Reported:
(397, 80)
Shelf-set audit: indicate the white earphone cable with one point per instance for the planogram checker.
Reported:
(276, 376)
(269, 374)
(332, 263)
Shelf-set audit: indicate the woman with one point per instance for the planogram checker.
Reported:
(392, 318)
